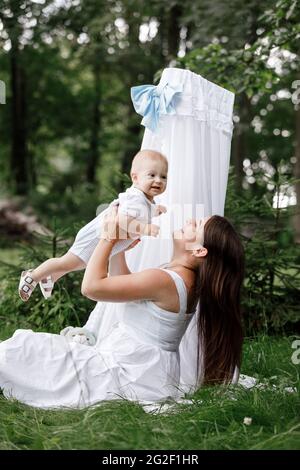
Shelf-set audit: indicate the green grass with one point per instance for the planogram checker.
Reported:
(213, 421)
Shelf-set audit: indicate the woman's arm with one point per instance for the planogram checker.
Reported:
(151, 284)
(118, 265)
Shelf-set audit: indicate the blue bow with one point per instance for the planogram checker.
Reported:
(151, 101)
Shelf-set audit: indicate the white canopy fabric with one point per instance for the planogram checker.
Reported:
(196, 139)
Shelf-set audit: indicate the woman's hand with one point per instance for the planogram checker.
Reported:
(135, 242)
(120, 227)
(112, 230)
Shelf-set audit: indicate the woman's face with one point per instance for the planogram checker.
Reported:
(191, 236)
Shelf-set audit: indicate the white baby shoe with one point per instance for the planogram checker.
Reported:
(79, 335)
(46, 286)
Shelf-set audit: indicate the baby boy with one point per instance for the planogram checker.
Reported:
(136, 207)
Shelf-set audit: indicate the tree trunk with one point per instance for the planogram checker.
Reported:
(94, 155)
(239, 145)
(174, 31)
(296, 217)
(245, 114)
(18, 164)
(238, 155)
(133, 144)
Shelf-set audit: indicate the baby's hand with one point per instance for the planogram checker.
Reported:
(160, 209)
(151, 230)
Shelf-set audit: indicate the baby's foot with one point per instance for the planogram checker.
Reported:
(46, 286)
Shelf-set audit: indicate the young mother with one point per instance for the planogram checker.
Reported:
(139, 358)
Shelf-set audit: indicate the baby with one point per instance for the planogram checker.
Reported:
(136, 207)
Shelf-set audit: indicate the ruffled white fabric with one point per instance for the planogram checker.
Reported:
(201, 99)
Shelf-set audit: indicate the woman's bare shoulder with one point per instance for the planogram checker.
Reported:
(156, 275)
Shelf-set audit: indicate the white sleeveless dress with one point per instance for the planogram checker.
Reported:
(137, 360)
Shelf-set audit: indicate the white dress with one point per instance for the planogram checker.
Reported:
(133, 202)
(137, 360)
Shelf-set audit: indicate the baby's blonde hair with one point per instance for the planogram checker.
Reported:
(142, 154)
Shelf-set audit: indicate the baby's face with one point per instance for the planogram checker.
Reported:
(151, 177)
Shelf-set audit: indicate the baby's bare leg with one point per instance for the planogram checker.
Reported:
(58, 267)
(56, 276)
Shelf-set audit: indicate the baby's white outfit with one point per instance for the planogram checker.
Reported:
(133, 203)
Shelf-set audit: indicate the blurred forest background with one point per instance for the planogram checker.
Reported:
(68, 132)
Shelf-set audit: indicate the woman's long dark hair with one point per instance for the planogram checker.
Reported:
(220, 331)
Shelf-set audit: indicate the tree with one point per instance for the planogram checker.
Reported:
(245, 70)
(19, 19)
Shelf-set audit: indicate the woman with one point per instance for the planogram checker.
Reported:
(139, 359)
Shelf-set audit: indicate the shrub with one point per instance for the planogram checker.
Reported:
(271, 295)
(65, 307)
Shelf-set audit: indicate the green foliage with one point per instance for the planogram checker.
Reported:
(271, 291)
(245, 68)
(237, 70)
(282, 23)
